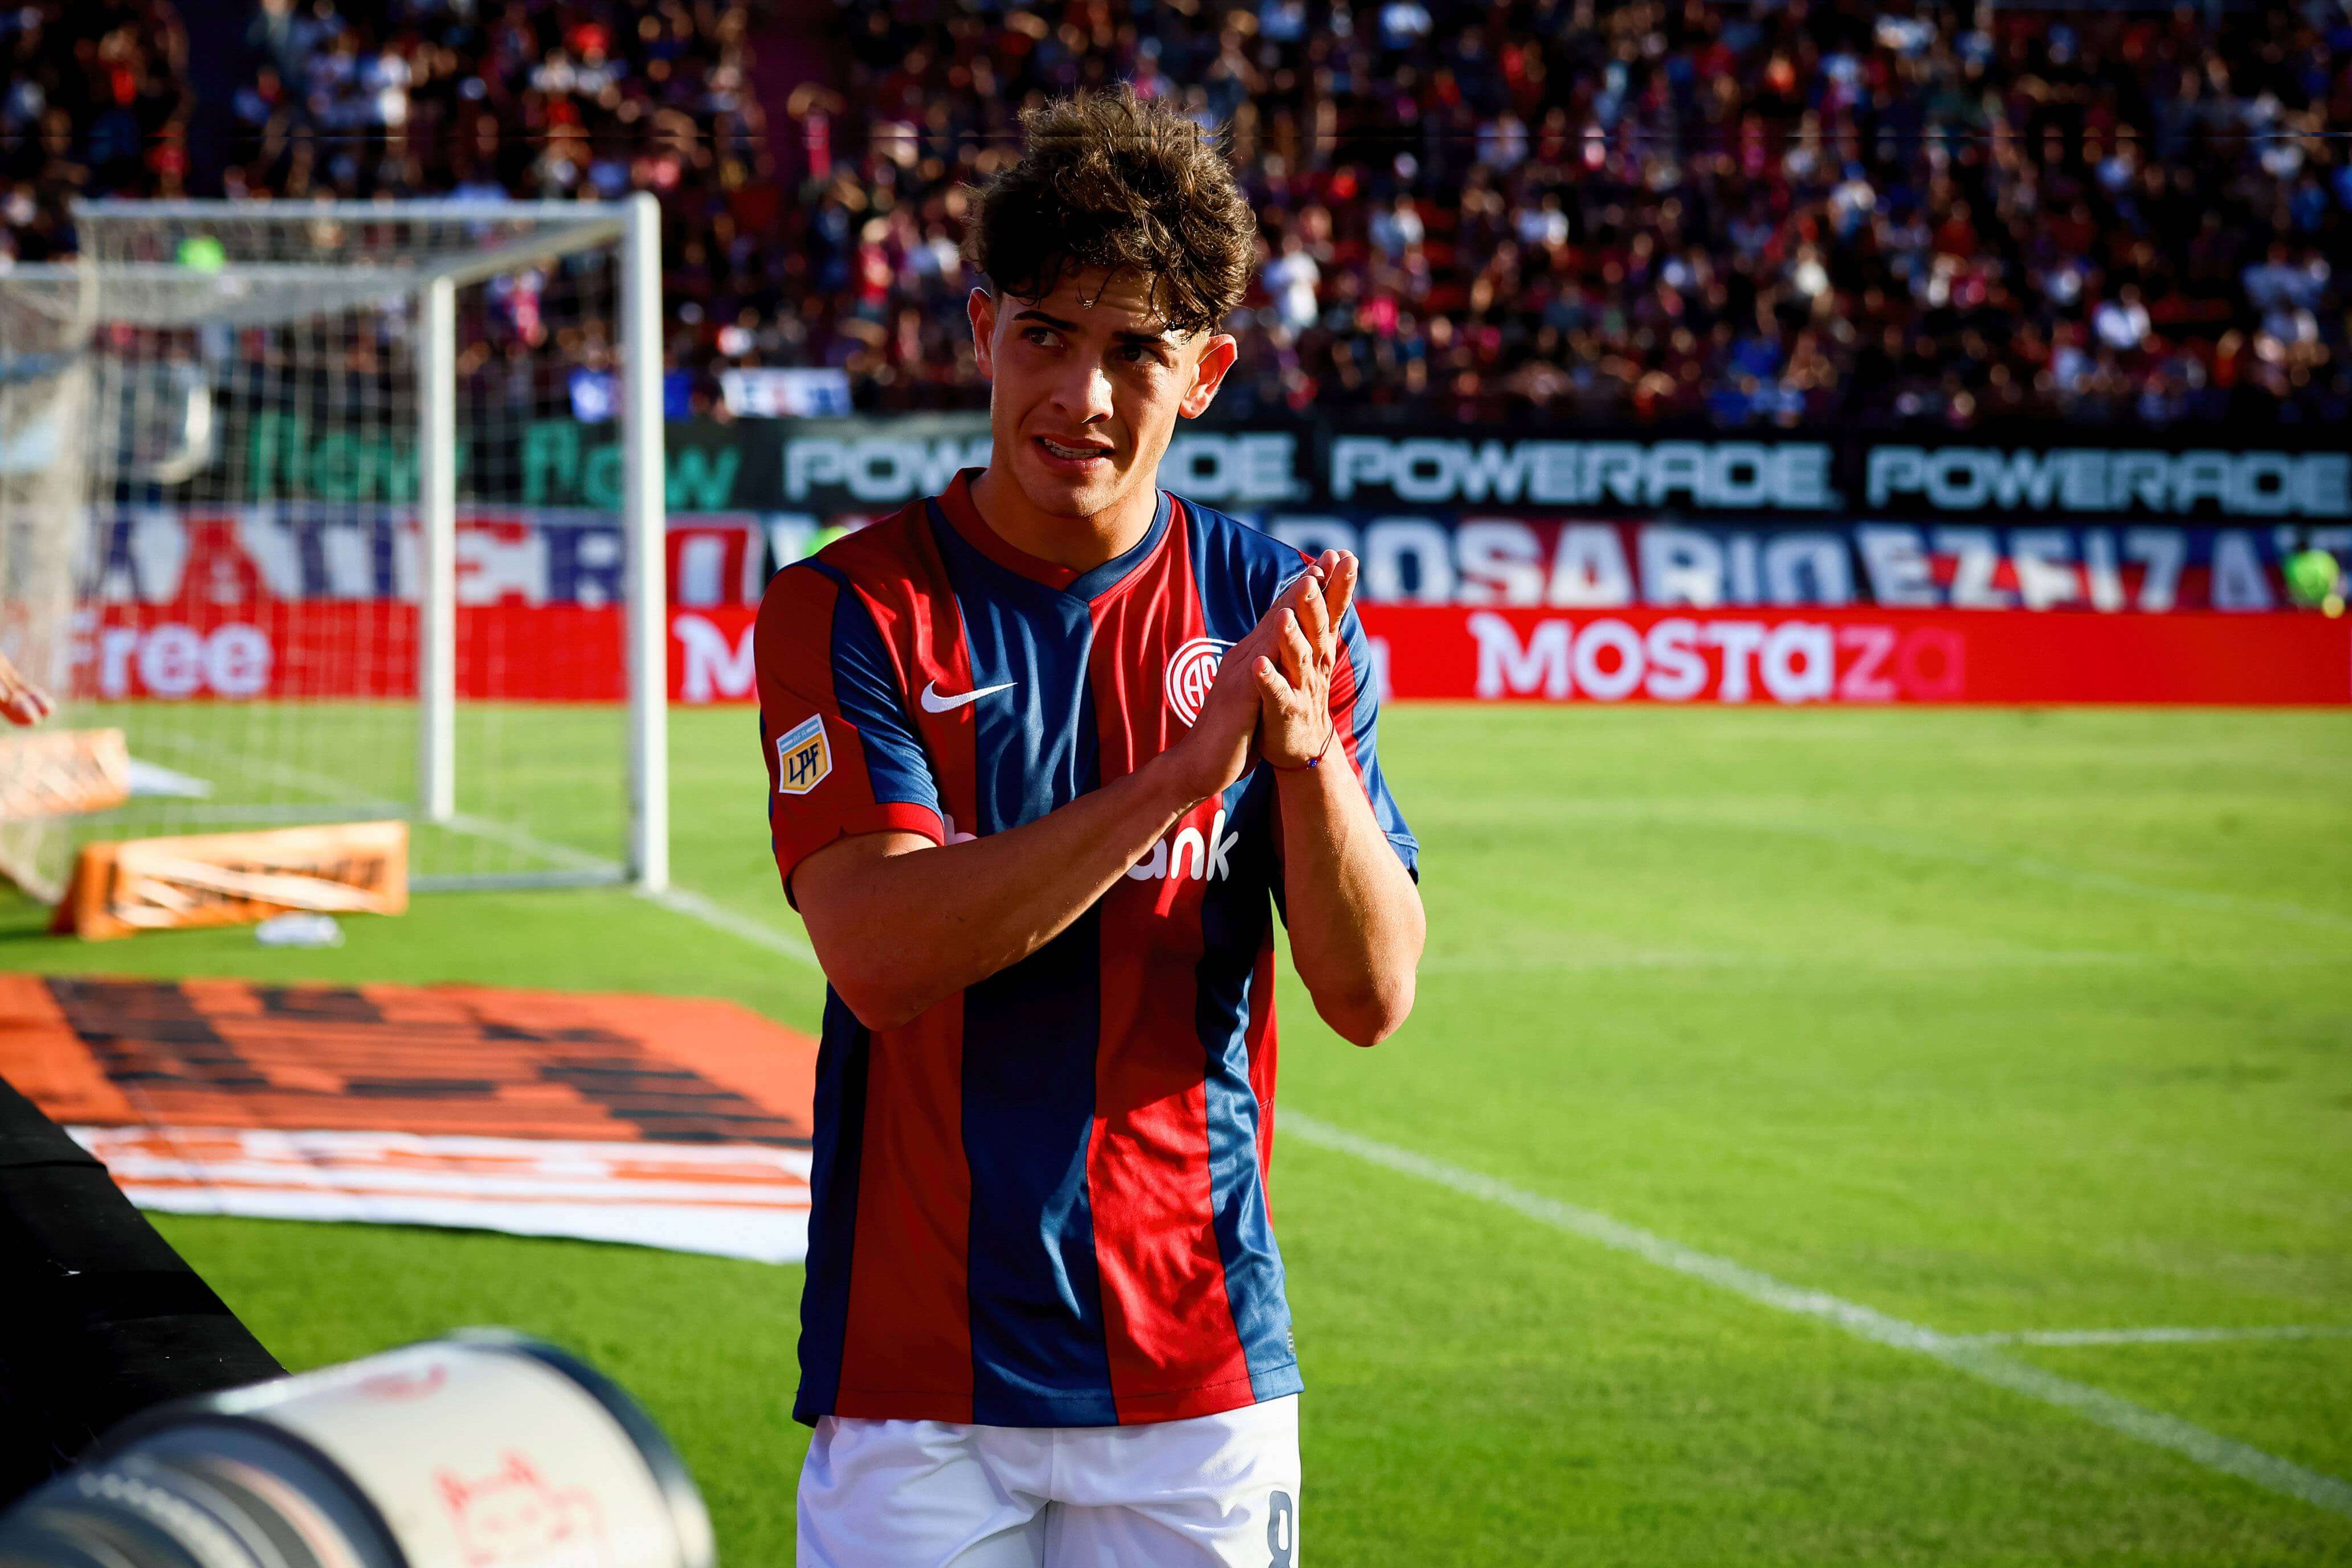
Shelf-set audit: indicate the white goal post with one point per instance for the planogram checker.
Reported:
(260, 434)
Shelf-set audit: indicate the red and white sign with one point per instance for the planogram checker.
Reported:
(1870, 656)
(340, 649)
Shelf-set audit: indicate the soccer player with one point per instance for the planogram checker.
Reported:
(1046, 752)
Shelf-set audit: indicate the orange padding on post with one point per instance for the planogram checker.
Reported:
(231, 878)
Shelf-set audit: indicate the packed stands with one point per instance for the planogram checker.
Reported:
(1736, 217)
(409, 98)
(93, 98)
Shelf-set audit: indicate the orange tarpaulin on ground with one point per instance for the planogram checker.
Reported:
(673, 1122)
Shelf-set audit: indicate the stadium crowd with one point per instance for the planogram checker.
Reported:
(1793, 211)
(93, 100)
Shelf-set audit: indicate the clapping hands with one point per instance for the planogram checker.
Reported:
(1272, 696)
(1293, 674)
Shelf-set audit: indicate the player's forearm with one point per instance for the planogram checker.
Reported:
(904, 930)
(1356, 921)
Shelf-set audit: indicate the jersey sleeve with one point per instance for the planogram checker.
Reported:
(842, 751)
(1356, 718)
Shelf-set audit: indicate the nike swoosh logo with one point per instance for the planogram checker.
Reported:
(935, 703)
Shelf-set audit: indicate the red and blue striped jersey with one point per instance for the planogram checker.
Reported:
(1042, 1202)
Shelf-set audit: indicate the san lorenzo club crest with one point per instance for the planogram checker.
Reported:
(1191, 670)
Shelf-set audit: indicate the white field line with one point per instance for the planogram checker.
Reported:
(757, 932)
(1979, 1361)
(1606, 959)
(695, 906)
(1736, 962)
(2158, 1336)
(487, 830)
(528, 843)
(338, 791)
(1845, 962)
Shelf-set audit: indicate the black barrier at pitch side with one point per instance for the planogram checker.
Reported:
(99, 1318)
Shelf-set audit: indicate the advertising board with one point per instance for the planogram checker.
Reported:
(2017, 552)
(573, 653)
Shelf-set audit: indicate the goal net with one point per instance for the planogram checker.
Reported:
(344, 511)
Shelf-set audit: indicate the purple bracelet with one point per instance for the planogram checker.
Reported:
(1314, 762)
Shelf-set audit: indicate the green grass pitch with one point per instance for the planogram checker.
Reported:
(1991, 1021)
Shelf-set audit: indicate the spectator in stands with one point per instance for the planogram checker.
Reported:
(1647, 209)
(1672, 211)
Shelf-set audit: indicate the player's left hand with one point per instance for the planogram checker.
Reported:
(1294, 679)
(21, 702)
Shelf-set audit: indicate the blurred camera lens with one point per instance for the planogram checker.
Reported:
(482, 1448)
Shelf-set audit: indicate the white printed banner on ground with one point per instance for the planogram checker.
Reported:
(732, 1201)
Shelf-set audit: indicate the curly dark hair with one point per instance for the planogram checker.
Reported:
(1109, 179)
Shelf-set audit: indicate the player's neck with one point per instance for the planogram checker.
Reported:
(1078, 544)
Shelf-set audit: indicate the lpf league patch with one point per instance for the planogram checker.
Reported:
(802, 757)
(1191, 670)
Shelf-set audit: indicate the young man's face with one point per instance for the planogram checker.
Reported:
(1086, 388)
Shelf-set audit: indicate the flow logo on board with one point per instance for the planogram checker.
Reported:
(802, 757)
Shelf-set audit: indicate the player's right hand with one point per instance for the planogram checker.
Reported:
(1224, 743)
(21, 702)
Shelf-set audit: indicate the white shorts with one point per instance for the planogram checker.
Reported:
(1216, 1489)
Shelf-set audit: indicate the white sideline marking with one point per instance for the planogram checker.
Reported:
(1979, 1361)
(1605, 960)
(514, 838)
(154, 778)
(2156, 1336)
(349, 799)
(759, 933)
(1749, 962)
